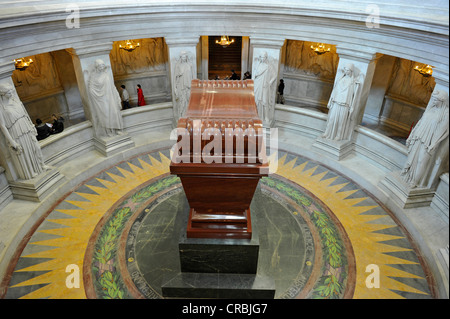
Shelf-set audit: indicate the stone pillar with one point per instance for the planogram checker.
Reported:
(340, 145)
(84, 59)
(205, 57)
(380, 84)
(245, 56)
(266, 55)
(44, 179)
(183, 69)
(407, 195)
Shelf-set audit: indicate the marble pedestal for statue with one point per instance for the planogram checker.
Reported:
(219, 268)
(403, 195)
(336, 149)
(108, 146)
(36, 189)
(6, 195)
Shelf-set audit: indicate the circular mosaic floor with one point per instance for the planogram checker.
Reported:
(320, 237)
(147, 226)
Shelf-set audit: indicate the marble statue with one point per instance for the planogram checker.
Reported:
(342, 102)
(265, 76)
(20, 134)
(425, 139)
(183, 75)
(105, 101)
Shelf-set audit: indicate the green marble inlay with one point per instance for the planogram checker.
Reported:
(331, 284)
(286, 244)
(108, 283)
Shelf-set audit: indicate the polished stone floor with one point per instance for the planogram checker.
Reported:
(282, 256)
(321, 236)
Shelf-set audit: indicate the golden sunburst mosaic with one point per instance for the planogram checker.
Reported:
(55, 261)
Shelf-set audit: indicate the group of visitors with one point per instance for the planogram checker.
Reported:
(125, 97)
(44, 130)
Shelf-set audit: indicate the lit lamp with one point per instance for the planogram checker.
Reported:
(426, 71)
(129, 45)
(224, 41)
(320, 48)
(21, 64)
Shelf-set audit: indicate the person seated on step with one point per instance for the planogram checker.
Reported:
(43, 130)
(58, 124)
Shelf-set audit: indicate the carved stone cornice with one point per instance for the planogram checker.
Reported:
(6, 70)
(91, 50)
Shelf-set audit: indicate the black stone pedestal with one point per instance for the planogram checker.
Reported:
(237, 256)
(218, 285)
(219, 268)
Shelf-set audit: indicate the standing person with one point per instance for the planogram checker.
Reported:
(20, 134)
(125, 98)
(247, 76)
(141, 100)
(280, 97)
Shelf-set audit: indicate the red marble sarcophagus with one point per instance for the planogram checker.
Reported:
(220, 157)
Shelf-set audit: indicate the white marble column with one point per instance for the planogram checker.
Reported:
(408, 193)
(183, 69)
(337, 138)
(84, 61)
(28, 179)
(245, 56)
(266, 54)
(205, 57)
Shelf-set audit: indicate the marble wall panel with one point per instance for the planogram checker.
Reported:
(73, 142)
(148, 118)
(304, 122)
(384, 153)
(308, 77)
(155, 86)
(400, 114)
(45, 105)
(49, 86)
(306, 91)
(147, 66)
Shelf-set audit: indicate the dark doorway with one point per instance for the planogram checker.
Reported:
(223, 60)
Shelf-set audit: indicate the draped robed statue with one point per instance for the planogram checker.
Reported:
(265, 76)
(342, 103)
(20, 134)
(105, 100)
(425, 139)
(183, 75)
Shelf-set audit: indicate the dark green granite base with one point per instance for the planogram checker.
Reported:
(205, 255)
(209, 285)
(285, 253)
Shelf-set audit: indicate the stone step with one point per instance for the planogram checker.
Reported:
(219, 286)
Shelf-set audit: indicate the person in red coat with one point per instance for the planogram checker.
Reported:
(141, 100)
